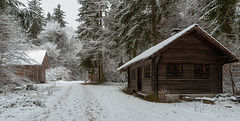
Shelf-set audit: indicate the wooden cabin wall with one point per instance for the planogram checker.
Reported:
(34, 73)
(39, 74)
(45, 63)
(44, 75)
(146, 82)
(28, 72)
(189, 51)
(133, 80)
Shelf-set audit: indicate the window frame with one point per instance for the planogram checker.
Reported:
(175, 70)
(202, 71)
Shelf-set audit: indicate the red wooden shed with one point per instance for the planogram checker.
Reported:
(30, 64)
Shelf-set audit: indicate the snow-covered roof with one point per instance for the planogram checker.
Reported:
(149, 52)
(26, 57)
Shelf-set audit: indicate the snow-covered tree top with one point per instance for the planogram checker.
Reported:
(27, 57)
(146, 54)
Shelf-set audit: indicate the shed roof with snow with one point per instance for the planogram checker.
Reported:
(155, 49)
(26, 57)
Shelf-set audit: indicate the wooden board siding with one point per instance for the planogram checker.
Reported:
(129, 78)
(188, 84)
(33, 73)
(133, 82)
(189, 51)
(45, 63)
(146, 82)
(44, 75)
(28, 72)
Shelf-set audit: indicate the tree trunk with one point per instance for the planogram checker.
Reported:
(135, 48)
(91, 76)
(154, 21)
(100, 67)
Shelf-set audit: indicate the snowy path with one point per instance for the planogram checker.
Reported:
(75, 103)
(78, 102)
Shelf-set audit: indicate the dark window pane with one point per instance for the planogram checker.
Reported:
(202, 70)
(175, 70)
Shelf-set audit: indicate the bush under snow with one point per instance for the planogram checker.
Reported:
(58, 73)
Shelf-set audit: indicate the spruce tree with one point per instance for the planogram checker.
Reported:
(91, 33)
(139, 21)
(37, 20)
(17, 9)
(12, 5)
(58, 15)
(49, 17)
(222, 15)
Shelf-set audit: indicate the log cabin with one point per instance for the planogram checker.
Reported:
(188, 63)
(29, 65)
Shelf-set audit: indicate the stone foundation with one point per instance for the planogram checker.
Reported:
(163, 97)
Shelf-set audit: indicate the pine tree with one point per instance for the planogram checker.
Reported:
(49, 17)
(221, 14)
(58, 15)
(12, 5)
(91, 33)
(17, 9)
(139, 23)
(134, 26)
(36, 23)
(11, 35)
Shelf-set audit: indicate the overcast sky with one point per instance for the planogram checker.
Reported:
(70, 7)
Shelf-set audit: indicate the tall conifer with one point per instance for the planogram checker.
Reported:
(58, 15)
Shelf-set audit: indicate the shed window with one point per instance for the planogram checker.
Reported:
(147, 71)
(175, 70)
(202, 70)
(133, 73)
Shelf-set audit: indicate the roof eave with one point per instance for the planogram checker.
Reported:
(234, 60)
(137, 62)
(123, 69)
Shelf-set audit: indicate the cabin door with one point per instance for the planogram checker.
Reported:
(139, 79)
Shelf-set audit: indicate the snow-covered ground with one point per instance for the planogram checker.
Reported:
(72, 101)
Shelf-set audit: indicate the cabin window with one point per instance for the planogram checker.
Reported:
(202, 70)
(147, 71)
(133, 73)
(174, 70)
